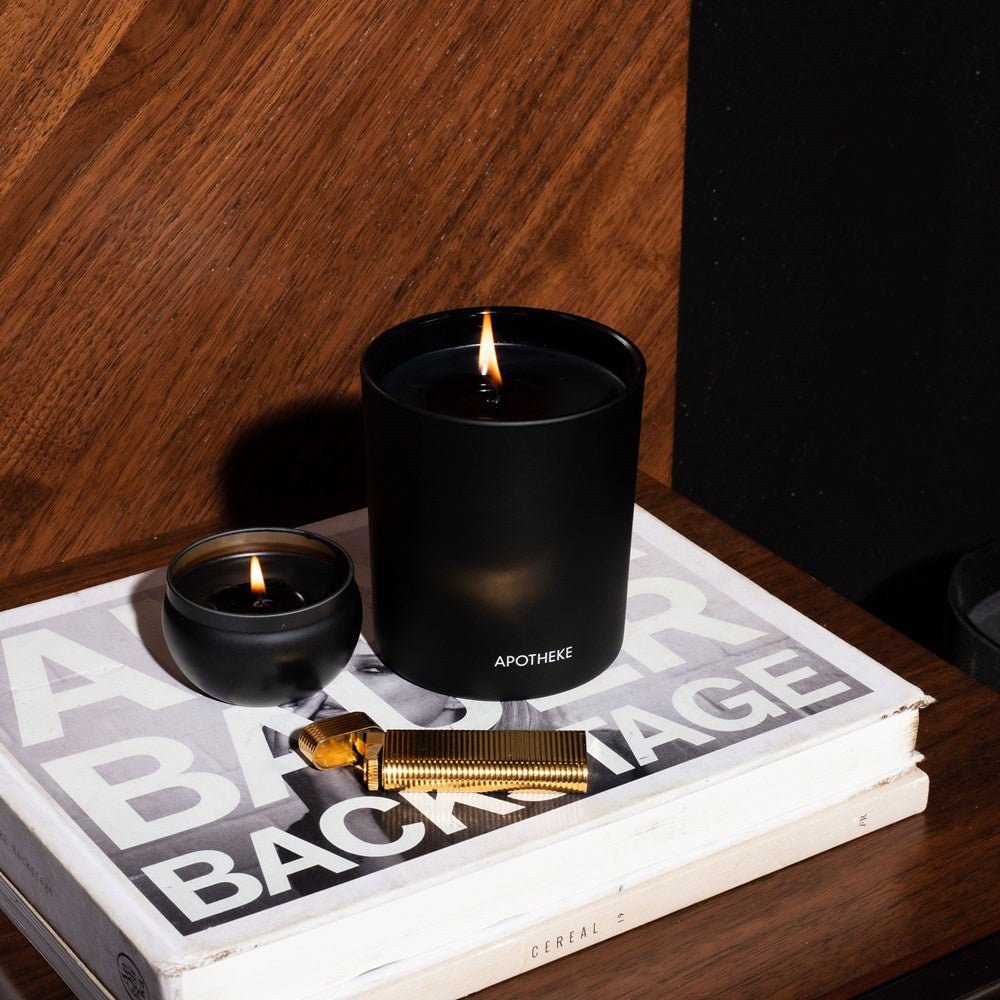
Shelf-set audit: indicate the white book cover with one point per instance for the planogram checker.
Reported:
(520, 944)
(182, 847)
(528, 942)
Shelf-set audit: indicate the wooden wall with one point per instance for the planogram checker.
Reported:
(207, 210)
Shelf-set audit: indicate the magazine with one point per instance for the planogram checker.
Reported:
(164, 834)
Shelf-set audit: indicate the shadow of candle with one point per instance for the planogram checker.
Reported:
(142, 616)
(297, 464)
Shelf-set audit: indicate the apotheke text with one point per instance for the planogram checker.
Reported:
(527, 659)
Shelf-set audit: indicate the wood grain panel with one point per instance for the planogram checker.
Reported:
(209, 209)
(831, 926)
(48, 55)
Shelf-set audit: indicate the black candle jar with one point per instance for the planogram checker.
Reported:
(501, 517)
(267, 651)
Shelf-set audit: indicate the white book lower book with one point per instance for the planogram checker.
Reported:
(534, 939)
(182, 848)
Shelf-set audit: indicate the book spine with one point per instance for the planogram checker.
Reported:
(56, 914)
(510, 949)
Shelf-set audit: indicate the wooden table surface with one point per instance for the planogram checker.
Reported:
(832, 926)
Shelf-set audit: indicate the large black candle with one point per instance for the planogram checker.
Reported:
(500, 498)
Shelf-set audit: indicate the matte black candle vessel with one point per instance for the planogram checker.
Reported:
(501, 507)
(266, 648)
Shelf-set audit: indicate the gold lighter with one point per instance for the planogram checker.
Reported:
(448, 760)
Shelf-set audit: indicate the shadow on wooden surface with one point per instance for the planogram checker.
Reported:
(296, 465)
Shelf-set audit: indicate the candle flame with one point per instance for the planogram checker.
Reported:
(257, 577)
(489, 367)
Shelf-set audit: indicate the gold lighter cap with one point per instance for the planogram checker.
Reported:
(338, 741)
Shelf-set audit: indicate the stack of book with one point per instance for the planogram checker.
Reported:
(156, 843)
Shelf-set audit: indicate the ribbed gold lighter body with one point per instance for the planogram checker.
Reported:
(448, 760)
(479, 760)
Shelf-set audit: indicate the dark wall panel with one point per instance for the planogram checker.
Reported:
(839, 357)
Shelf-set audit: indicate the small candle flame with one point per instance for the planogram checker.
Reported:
(257, 577)
(489, 367)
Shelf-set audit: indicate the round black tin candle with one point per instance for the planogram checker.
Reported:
(267, 649)
(501, 514)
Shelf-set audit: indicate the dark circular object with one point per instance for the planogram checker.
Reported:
(263, 658)
(974, 596)
(500, 540)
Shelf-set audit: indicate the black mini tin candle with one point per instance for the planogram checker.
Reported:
(501, 508)
(266, 647)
